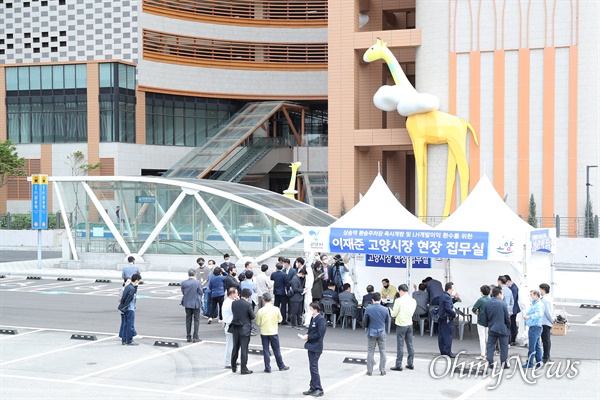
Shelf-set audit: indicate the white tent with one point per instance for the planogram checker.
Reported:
(380, 209)
(509, 246)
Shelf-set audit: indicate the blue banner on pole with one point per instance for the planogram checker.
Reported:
(39, 202)
(410, 243)
(380, 260)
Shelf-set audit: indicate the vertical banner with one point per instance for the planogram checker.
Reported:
(39, 202)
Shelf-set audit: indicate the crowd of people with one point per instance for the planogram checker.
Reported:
(240, 301)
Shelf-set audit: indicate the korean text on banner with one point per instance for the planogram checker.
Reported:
(410, 243)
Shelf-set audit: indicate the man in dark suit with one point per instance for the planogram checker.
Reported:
(241, 326)
(514, 328)
(495, 317)
(434, 290)
(375, 321)
(227, 263)
(192, 293)
(314, 345)
(446, 315)
(231, 280)
(368, 298)
(279, 290)
(330, 293)
(296, 300)
(289, 273)
(347, 295)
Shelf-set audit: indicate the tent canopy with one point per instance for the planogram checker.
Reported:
(379, 209)
(485, 210)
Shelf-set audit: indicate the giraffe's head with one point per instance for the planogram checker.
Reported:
(375, 52)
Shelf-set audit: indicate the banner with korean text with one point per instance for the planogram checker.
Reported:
(387, 261)
(410, 243)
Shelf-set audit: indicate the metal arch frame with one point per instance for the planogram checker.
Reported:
(187, 189)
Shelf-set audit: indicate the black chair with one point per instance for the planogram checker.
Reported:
(348, 310)
(328, 309)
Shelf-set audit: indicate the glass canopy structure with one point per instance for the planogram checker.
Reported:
(180, 216)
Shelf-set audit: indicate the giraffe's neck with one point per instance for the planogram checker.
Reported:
(395, 69)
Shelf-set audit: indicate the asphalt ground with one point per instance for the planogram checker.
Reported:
(42, 361)
(7, 255)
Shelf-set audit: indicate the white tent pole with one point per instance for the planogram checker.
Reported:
(409, 264)
(448, 271)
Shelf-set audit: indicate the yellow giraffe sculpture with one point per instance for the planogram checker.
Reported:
(431, 127)
(291, 191)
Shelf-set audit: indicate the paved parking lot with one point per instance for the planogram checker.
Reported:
(42, 361)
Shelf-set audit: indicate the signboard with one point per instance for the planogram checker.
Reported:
(378, 260)
(145, 199)
(541, 240)
(39, 202)
(410, 243)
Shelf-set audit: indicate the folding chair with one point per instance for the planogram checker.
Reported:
(348, 310)
(433, 319)
(421, 320)
(328, 309)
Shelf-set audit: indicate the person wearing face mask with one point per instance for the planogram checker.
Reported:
(533, 319)
(388, 291)
(203, 274)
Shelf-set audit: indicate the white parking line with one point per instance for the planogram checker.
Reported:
(54, 351)
(591, 321)
(137, 361)
(20, 334)
(475, 388)
(121, 388)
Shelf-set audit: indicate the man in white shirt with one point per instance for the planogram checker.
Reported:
(232, 295)
(404, 308)
(263, 284)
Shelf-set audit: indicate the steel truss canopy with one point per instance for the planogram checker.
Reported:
(180, 216)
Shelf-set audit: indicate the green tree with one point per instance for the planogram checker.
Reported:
(79, 167)
(532, 219)
(10, 162)
(78, 164)
(590, 226)
(342, 208)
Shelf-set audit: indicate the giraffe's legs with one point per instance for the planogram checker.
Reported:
(460, 154)
(420, 150)
(450, 178)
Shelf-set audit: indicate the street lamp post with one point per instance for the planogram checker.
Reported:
(588, 217)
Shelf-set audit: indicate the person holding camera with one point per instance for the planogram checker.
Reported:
(337, 273)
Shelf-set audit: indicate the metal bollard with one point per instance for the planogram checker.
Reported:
(58, 220)
(8, 221)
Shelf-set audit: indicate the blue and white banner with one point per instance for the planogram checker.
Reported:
(542, 240)
(379, 260)
(406, 242)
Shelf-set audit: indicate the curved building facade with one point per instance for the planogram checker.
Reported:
(137, 85)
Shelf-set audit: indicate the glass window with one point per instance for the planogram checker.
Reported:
(46, 77)
(81, 76)
(24, 78)
(35, 80)
(131, 78)
(69, 76)
(106, 74)
(57, 77)
(122, 76)
(12, 78)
